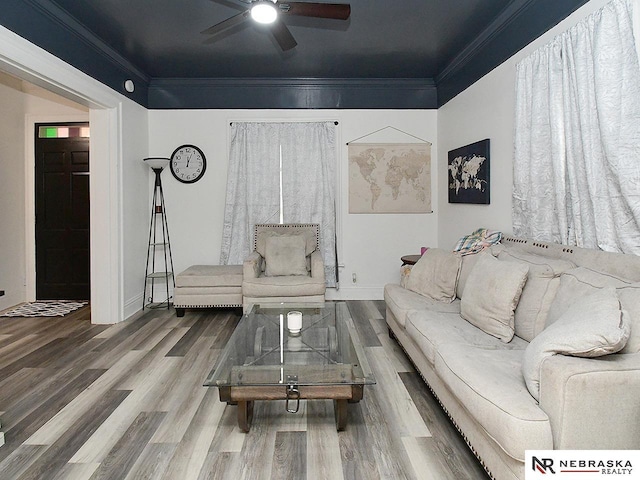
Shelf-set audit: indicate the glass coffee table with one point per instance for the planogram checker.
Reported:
(270, 356)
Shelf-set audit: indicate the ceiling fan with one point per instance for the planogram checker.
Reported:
(269, 12)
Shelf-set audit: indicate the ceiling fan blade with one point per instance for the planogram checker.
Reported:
(237, 4)
(339, 11)
(283, 36)
(227, 24)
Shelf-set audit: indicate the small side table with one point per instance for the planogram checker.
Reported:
(410, 259)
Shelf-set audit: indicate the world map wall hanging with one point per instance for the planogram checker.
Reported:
(389, 178)
(469, 174)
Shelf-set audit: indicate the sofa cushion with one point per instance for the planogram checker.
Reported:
(435, 275)
(432, 330)
(290, 286)
(308, 235)
(210, 276)
(593, 327)
(285, 255)
(539, 291)
(630, 301)
(491, 295)
(402, 301)
(468, 262)
(489, 383)
(579, 282)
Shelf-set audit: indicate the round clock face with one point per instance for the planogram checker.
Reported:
(188, 163)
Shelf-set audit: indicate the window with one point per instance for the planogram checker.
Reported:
(280, 173)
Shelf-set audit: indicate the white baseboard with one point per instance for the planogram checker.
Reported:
(132, 306)
(355, 293)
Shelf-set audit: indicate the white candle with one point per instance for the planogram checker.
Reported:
(294, 322)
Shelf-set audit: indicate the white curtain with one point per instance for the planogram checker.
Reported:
(253, 184)
(253, 187)
(577, 136)
(309, 183)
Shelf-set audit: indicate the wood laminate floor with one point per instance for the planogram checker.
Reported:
(83, 401)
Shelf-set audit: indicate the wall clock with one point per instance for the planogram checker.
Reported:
(188, 163)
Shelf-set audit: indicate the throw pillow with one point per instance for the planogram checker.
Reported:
(539, 291)
(582, 281)
(576, 283)
(593, 327)
(285, 255)
(477, 241)
(491, 295)
(435, 275)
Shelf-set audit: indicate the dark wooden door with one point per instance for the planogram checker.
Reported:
(62, 218)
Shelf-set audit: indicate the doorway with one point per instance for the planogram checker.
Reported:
(62, 209)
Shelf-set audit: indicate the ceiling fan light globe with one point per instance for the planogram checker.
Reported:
(264, 12)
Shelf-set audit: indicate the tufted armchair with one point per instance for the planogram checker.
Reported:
(285, 266)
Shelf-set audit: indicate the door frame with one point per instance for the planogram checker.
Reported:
(29, 62)
(30, 189)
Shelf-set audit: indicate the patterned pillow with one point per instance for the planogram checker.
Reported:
(477, 241)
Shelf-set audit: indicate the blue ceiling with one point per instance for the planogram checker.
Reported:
(389, 54)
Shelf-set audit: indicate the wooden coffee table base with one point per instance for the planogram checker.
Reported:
(245, 415)
(244, 397)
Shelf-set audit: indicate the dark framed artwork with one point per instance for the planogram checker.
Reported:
(469, 174)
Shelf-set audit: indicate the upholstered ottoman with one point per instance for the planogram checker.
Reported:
(206, 286)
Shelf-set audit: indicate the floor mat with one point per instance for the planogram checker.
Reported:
(45, 308)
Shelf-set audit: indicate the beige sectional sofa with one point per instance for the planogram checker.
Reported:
(559, 370)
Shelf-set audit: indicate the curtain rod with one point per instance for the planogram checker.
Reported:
(335, 122)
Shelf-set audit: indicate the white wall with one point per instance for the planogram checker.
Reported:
(136, 204)
(12, 232)
(371, 245)
(22, 101)
(486, 110)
